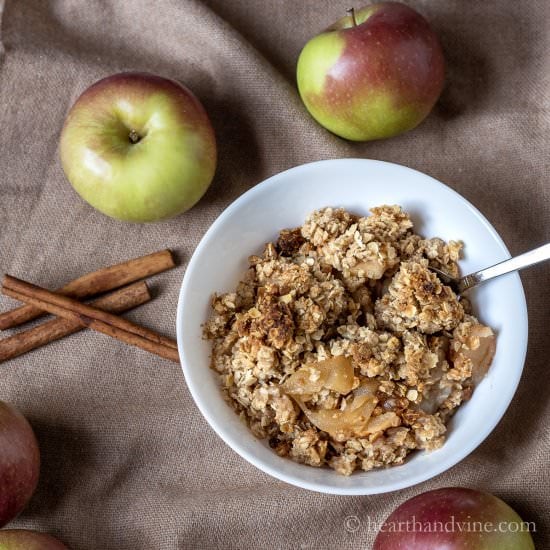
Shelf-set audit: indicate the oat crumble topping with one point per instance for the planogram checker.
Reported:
(342, 348)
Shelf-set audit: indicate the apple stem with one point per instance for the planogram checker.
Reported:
(351, 12)
(134, 136)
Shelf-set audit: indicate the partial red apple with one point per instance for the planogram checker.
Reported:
(19, 462)
(375, 73)
(454, 519)
(21, 539)
(138, 147)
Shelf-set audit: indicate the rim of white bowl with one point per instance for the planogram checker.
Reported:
(240, 449)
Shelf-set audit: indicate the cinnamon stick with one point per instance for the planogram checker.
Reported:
(118, 301)
(97, 282)
(94, 318)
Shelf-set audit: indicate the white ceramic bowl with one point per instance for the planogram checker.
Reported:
(283, 201)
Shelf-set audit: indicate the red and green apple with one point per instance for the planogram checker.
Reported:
(19, 462)
(21, 539)
(454, 519)
(138, 147)
(375, 73)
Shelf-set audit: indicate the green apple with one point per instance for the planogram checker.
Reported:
(375, 73)
(21, 539)
(19, 462)
(138, 147)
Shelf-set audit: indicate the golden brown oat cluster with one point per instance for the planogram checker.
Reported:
(342, 347)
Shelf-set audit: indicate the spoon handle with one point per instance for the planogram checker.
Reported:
(526, 259)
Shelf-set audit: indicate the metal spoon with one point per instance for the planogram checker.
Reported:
(461, 285)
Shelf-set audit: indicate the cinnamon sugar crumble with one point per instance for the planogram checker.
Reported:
(342, 348)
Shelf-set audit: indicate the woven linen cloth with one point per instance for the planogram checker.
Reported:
(128, 462)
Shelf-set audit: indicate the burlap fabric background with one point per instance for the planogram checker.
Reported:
(128, 461)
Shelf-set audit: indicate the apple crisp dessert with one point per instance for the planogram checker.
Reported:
(342, 347)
